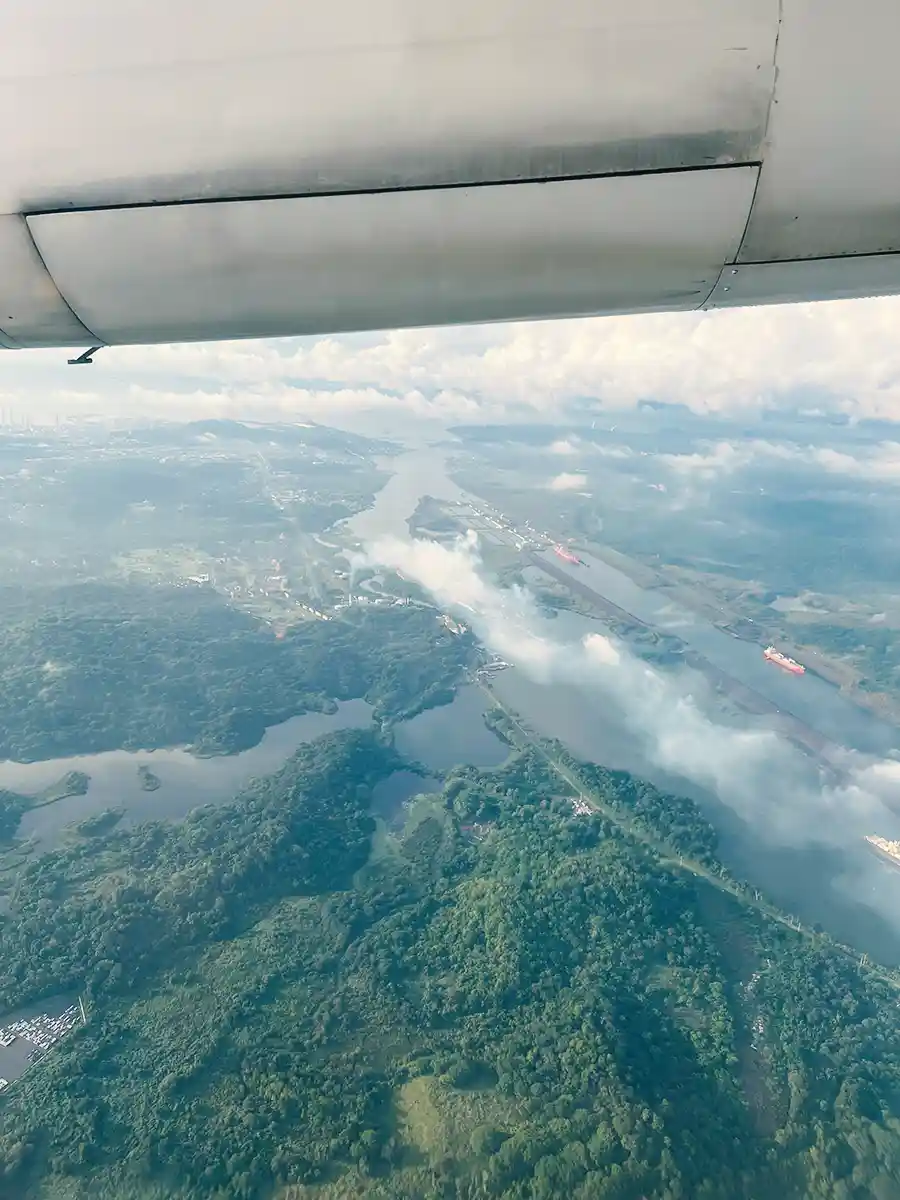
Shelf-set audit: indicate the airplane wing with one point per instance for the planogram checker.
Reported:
(178, 172)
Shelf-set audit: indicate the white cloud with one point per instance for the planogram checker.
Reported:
(563, 446)
(451, 575)
(879, 463)
(842, 355)
(720, 458)
(762, 777)
(567, 482)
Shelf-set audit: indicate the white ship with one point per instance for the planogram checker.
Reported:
(885, 849)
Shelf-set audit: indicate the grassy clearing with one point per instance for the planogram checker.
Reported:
(435, 1123)
(439, 1121)
(683, 996)
(727, 922)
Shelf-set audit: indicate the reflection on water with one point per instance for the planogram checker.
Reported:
(456, 733)
(812, 700)
(185, 781)
(847, 891)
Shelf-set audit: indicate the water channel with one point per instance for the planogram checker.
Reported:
(846, 890)
(811, 699)
(439, 739)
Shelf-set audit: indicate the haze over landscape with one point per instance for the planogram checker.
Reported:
(395, 799)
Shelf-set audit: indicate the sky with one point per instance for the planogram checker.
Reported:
(838, 356)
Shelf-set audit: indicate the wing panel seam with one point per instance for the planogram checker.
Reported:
(389, 191)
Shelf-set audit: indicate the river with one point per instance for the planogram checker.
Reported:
(417, 473)
(846, 890)
(809, 698)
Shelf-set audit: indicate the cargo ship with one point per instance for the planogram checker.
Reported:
(889, 851)
(782, 660)
(568, 556)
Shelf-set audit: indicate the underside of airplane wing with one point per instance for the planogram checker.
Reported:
(180, 172)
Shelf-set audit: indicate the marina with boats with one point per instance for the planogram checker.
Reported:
(28, 1036)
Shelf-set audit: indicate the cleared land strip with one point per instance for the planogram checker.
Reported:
(670, 857)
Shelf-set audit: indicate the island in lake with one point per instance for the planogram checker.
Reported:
(100, 822)
(148, 781)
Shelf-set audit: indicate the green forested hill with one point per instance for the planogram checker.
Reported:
(500, 999)
(88, 668)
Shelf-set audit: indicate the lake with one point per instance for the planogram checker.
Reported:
(456, 733)
(185, 780)
(439, 739)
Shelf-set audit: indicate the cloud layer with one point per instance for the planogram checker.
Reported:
(878, 463)
(760, 775)
(841, 355)
(567, 482)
